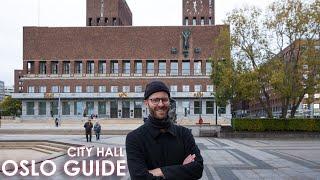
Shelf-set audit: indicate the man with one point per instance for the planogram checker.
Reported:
(160, 149)
(88, 128)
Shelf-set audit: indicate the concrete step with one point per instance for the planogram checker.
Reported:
(50, 148)
(61, 146)
(43, 150)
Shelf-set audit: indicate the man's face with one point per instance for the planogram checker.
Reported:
(158, 104)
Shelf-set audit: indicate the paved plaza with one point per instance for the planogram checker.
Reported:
(226, 158)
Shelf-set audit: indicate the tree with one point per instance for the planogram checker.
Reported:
(294, 26)
(250, 48)
(10, 107)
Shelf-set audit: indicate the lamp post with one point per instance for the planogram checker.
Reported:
(199, 95)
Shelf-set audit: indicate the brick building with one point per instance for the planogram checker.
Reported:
(103, 68)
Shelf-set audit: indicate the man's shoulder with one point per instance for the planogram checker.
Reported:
(181, 130)
(138, 131)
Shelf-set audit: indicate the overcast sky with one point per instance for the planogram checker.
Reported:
(14, 14)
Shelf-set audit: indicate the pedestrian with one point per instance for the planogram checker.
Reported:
(56, 121)
(88, 128)
(97, 130)
(160, 149)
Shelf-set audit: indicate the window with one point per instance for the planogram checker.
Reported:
(31, 89)
(114, 21)
(162, 67)
(194, 21)
(186, 68)
(43, 68)
(90, 89)
(106, 21)
(185, 88)
(78, 108)
(54, 107)
(210, 21)
(65, 108)
(54, 67)
(138, 109)
(150, 67)
(126, 67)
(174, 68)
(197, 88)
(197, 68)
(55, 89)
(114, 89)
(222, 110)
(90, 67)
(186, 20)
(78, 67)
(125, 88)
(90, 21)
(208, 68)
(173, 88)
(78, 89)
(186, 107)
(102, 89)
(202, 21)
(42, 106)
(102, 67)
(209, 107)
(197, 107)
(90, 107)
(114, 67)
(66, 67)
(102, 108)
(42, 89)
(209, 88)
(30, 67)
(66, 89)
(138, 89)
(30, 108)
(138, 67)
(98, 21)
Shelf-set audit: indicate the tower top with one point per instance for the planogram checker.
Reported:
(198, 12)
(108, 13)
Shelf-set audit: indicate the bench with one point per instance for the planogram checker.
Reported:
(200, 124)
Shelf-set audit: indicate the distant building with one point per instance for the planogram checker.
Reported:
(305, 109)
(2, 94)
(8, 90)
(103, 68)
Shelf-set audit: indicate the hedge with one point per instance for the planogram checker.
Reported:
(260, 125)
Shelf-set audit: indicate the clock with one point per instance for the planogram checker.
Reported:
(194, 7)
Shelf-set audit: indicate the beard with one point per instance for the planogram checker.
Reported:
(159, 112)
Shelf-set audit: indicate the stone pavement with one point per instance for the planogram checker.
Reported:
(227, 158)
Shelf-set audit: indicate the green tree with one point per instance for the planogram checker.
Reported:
(10, 107)
(294, 26)
(250, 48)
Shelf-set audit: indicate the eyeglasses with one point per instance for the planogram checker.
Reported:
(156, 101)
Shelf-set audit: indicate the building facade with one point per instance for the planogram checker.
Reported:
(2, 94)
(103, 69)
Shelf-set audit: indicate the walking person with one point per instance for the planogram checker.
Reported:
(88, 128)
(97, 130)
(56, 121)
(160, 149)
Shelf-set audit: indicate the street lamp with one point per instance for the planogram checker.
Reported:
(199, 95)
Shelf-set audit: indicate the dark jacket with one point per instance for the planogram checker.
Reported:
(147, 148)
(88, 127)
(97, 128)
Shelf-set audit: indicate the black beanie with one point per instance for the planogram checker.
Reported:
(155, 86)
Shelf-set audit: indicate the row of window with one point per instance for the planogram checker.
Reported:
(203, 21)
(126, 67)
(87, 107)
(102, 21)
(113, 89)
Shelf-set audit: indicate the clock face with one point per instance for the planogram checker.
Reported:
(194, 7)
